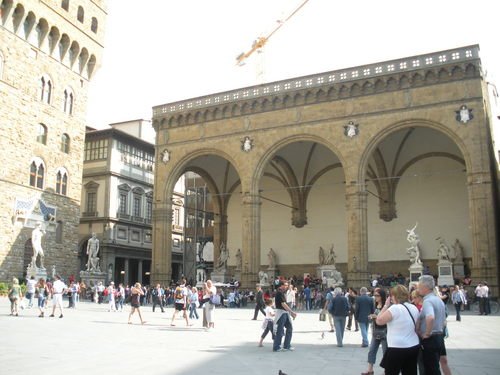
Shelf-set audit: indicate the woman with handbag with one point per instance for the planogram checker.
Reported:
(379, 332)
(402, 340)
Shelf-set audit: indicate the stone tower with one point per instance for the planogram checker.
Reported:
(49, 52)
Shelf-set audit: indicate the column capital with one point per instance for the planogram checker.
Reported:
(251, 199)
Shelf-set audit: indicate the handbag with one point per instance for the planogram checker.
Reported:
(322, 316)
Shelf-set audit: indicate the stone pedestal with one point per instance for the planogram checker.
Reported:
(333, 276)
(459, 270)
(237, 275)
(92, 278)
(416, 270)
(220, 276)
(445, 268)
(201, 277)
(38, 273)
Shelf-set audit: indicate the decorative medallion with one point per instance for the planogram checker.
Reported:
(165, 156)
(464, 114)
(351, 129)
(247, 144)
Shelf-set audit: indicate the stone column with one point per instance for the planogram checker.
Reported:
(161, 262)
(251, 240)
(126, 278)
(139, 271)
(357, 236)
(483, 226)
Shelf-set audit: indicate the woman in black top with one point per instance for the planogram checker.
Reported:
(379, 333)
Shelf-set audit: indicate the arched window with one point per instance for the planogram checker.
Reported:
(37, 173)
(41, 136)
(65, 5)
(94, 25)
(68, 101)
(46, 89)
(62, 181)
(81, 14)
(65, 143)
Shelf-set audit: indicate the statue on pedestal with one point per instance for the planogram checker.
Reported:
(239, 260)
(272, 257)
(223, 257)
(321, 256)
(413, 250)
(459, 252)
(92, 252)
(263, 278)
(443, 250)
(36, 242)
(330, 258)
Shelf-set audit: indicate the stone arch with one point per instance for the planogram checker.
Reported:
(417, 79)
(180, 166)
(42, 29)
(404, 82)
(272, 149)
(470, 70)
(53, 37)
(430, 76)
(457, 72)
(17, 17)
(367, 88)
(235, 110)
(91, 65)
(355, 90)
(189, 119)
(344, 91)
(392, 128)
(320, 95)
(443, 74)
(392, 84)
(6, 8)
(197, 117)
(298, 99)
(29, 25)
(379, 85)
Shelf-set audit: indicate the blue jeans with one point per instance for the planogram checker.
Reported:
(364, 333)
(192, 311)
(283, 322)
(339, 323)
(375, 343)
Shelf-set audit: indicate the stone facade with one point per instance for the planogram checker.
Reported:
(48, 58)
(372, 124)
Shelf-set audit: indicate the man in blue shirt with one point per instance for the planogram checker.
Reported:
(431, 325)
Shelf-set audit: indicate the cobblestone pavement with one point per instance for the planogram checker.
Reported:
(92, 340)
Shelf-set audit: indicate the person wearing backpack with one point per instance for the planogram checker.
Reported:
(180, 301)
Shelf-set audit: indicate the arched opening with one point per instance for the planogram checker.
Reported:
(201, 201)
(302, 192)
(81, 14)
(94, 25)
(416, 174)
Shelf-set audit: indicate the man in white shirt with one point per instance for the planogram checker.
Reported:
(58, 288)
(30, 291)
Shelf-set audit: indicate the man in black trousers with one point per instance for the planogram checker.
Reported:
(259, 303)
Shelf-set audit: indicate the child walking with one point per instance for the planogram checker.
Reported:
(267, 325)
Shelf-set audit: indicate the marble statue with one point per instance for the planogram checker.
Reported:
(330, 258)
(459, 252)
(263, 278)
(239, 260)
(337, 278)
(36, 242)
(413, 250)
(223, 257)
(92, 252)
(272, 258)
(321, 256)
(443, 250)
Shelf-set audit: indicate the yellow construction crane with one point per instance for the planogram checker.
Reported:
(260, 42)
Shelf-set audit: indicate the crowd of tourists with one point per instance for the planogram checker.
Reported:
(408, 324)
